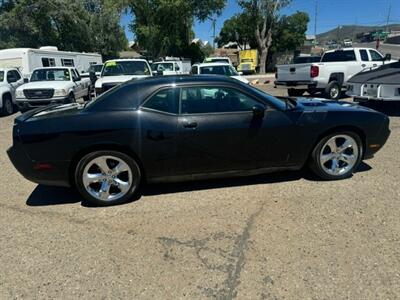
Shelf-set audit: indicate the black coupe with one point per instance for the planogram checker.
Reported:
(189, 127)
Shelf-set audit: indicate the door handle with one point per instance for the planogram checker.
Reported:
(363, 65)
(190, 125)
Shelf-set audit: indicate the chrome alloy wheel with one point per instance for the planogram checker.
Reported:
(339, 155)
(107, 178)
(334, 92)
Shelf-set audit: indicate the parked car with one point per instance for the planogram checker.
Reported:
(171, 67)
(218, 59)
(218, 69)
(330, 75)
(177, 128)
(52, 85)
(379, 84)
(248, 61)
(347, 43)
(29, 59)
(118, 71)
(10, 80)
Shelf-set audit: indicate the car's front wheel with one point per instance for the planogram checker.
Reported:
(337, 156)
(8, 106)
(107, 177)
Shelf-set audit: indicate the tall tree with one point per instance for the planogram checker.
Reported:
(74, 25)
(164, 27)
(265, 14)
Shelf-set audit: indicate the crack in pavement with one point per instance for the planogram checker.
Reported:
(233, 261)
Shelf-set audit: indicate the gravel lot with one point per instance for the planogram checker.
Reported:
(277, 236)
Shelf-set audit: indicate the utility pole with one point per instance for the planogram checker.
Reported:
(388, 17)
(214, 22)
(315, 21)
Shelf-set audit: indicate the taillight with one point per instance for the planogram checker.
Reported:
(314, 71)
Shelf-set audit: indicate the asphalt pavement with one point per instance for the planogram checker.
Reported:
(276, 236)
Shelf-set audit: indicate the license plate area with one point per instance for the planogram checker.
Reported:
(371, 90)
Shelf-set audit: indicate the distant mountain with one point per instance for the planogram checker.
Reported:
(350, 31)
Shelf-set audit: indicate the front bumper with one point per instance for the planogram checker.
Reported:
(26, 104)
(301, 85)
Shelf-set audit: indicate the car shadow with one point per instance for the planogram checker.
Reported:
(46, 195)
(389, 108)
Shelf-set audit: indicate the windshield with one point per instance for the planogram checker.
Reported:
(219, 70)
(115, 68)
(1, 76)
(51, 75)
(95, 68)
(163, 67)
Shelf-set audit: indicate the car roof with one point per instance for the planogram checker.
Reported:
(350, 48)
(50, 68)
(178, 79)
(213, 64)
(126, 59)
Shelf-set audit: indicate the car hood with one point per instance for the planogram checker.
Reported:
(50, 111)
(45, 85)
(117, 79)
(320, 105)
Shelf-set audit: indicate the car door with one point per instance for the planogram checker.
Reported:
(366, 63)
(219, 131)
(376, 58)
(78, 87)
(159, 134)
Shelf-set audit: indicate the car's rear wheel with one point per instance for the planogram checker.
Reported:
(295, 93)
(8, 106)
(337, 156)
(107, 177)
(88, 97)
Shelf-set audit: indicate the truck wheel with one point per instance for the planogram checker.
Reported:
(8, 106)
(71, 98)
(333, 90)
(295, 93)
(88, 96)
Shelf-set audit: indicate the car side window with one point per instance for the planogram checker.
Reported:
(200, 100)
(364, 55)
(11, 77)
(375, 56)
(165, 101)
(75, 76)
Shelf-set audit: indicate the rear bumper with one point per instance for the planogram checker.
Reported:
(58, 175)
(301, 85)
(375, 143)
(26, 104)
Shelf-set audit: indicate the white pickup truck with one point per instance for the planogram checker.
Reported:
(10, 80)
(331, 74)
(118, 71)
(52, 85)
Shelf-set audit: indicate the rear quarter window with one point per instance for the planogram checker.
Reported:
(347, 55)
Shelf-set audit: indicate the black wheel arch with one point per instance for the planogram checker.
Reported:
(338, 77)
(102, 147)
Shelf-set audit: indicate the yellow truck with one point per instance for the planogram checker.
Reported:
(248, 61)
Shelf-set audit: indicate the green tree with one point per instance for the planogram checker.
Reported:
(164, 27)
(265, 14)
(72, 25)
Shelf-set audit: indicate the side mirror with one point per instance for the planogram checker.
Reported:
(93, 77)
(388, 56)
(26, 80)
(258, 111)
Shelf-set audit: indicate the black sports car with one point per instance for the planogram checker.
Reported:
(189, 127)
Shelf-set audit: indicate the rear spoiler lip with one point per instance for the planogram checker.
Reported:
(27, 115)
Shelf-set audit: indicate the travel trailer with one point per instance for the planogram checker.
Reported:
(28, 59)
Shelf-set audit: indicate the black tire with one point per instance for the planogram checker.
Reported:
(71, 98)
(8, 106)
(315, 164)
(295, 93)
(132, 190)
(312, 92)
(333, 91)
(88, 97)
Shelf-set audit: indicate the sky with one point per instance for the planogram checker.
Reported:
(331, 13)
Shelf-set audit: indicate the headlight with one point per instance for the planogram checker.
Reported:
(19, 94)
(60, 93)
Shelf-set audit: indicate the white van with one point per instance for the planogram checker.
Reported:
(28, 59)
